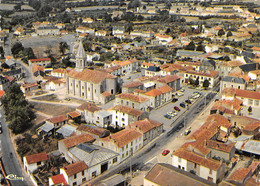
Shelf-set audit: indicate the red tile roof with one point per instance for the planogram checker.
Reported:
(211, 73)
(252, 126)
(132, 97)
(75, 168)
(39, 60)
(153, 93)
(2, 93)
(89, 107)
(92, 130)
(145, 125)
(197, 147)
(220, 146)
(34, 158)
(247, 94)
(165, 89)
(75, 140)
(59, 179)
(58, 119)
(36, 68)
(195, 158)
(74, 114)
(93, 76)
(240, 174)
(124, 137)
(133, 84)
(168, 78)
(221, 120)
(127, 110)
(106, 94)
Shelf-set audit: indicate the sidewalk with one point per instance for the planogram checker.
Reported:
(175, 144)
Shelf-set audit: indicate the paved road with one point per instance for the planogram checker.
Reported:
(28, 73)
(10, 161)
(139, 159)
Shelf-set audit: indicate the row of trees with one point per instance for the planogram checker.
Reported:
(18, 112)
(196, 82)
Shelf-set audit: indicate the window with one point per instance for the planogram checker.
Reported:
(82, 94)
(186, 75)
(82, 173)
(123, 155)
(126, 153)
(182, 168)
(123, 148)
(123, 119)
(256, 102)
(201, 78)
(75, 176)
(238, 87)
(114, 160)
(88, 89)
(250, 101)
(209, 79)
(127, 103)
(39, 163)
(179, 159)
(121, 102)
(95, 91)
(210, 171)
(195, 165)
(225, 85)
(83, 180)
(97, 118)
(94, 174)
(179, 166)
(127, 146)
(82, 87)
(133, 105)
(74, 183)
(131, 143)
(77, 86)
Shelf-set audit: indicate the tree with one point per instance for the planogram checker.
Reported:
(2, 53)
(249, 109)
(63, 46)
(190, 46)
(221, 32)
(206, 83)
(28, 53)
(197, 82)
(229, 34)
(17, 110)
(200, 47)
(191, 81)
(16, 48)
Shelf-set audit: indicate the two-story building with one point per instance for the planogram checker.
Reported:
(124, 115)
(32, 162)
(149, 128)
(125, 142)
(133, 101)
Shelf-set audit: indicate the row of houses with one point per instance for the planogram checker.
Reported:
(89, 154)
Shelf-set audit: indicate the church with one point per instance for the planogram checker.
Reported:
(90, 85)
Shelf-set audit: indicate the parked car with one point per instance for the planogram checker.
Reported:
(167, 116)
(174, 100)
(172, 114)
(176, 108)
(188, 101)
(182, 90)
(179, 94)
(191, 87)
(182, 105)
(165, 152)
(187, 131)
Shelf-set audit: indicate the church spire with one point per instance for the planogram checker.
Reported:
(80, 57)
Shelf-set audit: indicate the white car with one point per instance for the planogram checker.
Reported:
(179, 94)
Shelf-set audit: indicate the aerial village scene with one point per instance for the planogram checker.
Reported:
(137, 93)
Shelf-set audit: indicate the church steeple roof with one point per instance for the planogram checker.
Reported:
(81, 52)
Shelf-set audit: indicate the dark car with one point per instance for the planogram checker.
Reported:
(167, 116)
(182, 105)
(174, 100)
(188, 101)
(176, 108)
